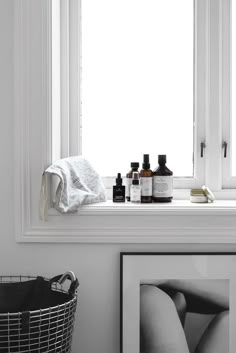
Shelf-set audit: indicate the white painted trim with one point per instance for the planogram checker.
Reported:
(178, 222)
(176, 207)
(56, 79)
(21, 114)
(173, 223)
(65, 84)
(74, 77)
(213, 122)
(200, 92)
(69, 95)
(228, 180)
(32, 103)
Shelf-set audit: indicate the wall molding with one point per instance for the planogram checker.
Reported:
(179, 222)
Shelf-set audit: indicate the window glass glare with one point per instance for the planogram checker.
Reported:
(137, 83)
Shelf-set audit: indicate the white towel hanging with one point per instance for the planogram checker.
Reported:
(78, 184)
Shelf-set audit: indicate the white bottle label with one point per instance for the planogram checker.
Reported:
(128, 185)
(135, 193)
(162, 186)
(146, 186)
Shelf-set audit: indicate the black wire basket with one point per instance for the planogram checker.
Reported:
(37, 314)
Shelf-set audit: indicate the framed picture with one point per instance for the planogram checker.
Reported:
(178, 302)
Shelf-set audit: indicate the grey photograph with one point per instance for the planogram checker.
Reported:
(184, 316)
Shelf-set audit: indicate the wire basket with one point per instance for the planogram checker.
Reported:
(47, 329)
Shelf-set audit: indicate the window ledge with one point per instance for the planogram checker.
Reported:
(182, 207)
(177, 222)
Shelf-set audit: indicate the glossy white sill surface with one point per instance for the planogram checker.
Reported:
(176, 206)
(177, 222)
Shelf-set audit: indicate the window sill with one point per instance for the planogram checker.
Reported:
(182, 207)
(178, 222)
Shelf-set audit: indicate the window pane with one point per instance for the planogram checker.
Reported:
(137, 83)
(233, 88)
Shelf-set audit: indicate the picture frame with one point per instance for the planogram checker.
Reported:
(204, 282)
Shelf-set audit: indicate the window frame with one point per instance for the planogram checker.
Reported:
(228, 181)
(180, 222)
(200, 58)
(66, 131)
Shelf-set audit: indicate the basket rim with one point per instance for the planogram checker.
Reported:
(24, 278)
(40, 311)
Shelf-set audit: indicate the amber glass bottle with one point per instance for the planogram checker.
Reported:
(146, 180)
(129, 176)
(162, 190)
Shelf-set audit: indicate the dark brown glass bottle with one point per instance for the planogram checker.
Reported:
(129, 176)
(162, 190)
(146, 180)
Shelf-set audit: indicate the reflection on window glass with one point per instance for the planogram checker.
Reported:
(233, 88)
(137, 83)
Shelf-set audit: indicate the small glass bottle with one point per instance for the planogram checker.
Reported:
(118, 190)
(162, 189)
(135, 189)
(146, 180)
(129, 177)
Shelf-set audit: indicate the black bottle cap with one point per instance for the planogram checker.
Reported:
(134, 164)
(162, 159)
(118, 179)
(146, 164)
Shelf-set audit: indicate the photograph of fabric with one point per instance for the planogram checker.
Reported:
(184, 316)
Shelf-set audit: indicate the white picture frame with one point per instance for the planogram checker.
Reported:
(137, 269)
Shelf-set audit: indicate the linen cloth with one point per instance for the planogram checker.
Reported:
(79, 184)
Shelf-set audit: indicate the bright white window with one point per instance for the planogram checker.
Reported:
(137, 83)
(142, 83)
(156, 77)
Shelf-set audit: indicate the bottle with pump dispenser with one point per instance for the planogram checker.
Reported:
(135, 189)
(118, 190)
(146, 180)
(162, 190)
(129, 177)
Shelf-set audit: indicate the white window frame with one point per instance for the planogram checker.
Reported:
(69, 97)
(179, 222)
(228, 181)
(66, 115)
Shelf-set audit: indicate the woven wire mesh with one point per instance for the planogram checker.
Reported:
(49, 330)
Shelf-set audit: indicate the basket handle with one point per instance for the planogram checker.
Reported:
(61, 279)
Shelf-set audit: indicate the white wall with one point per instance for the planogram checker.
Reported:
(97, 266)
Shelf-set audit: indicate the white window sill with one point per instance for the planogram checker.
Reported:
(177, 222)
(182, 207)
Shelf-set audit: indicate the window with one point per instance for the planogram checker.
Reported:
(143, 85)
(137, 83)
(153, 81)
(47, 51)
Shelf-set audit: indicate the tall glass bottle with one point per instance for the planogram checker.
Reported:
(146, 180)
(162, 190)
(129, 177)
